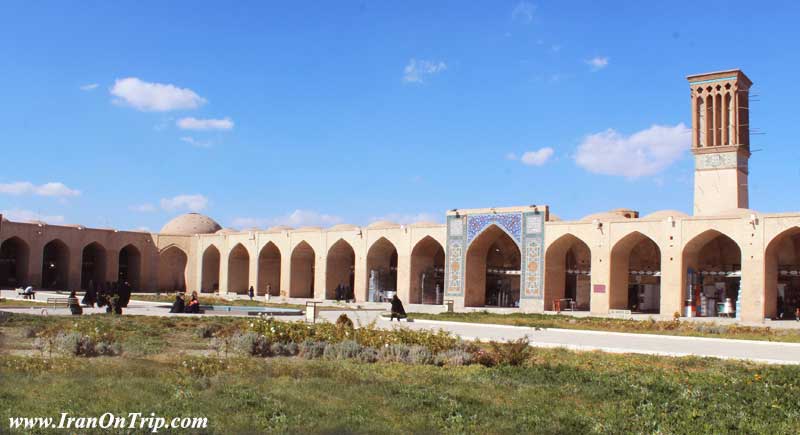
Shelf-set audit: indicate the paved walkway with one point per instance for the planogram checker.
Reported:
(615, 342)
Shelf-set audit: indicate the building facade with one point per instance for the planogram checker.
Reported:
(725, 259)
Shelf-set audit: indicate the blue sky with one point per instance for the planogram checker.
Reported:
(260, 113)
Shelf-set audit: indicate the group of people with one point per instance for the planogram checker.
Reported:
(113, 295)
(180, 305)
(345, 293)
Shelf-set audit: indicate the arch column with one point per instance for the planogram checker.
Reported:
(286, 274)
(672, 289)
(753, 283)
(223, 273)
(75, 268)
(404, 277)
(601, 274)
(360, 285)
(319, 276)
(112, 265)
(252, 279)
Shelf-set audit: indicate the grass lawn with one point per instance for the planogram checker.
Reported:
(686, 328)
(21, 303)
(555, 391)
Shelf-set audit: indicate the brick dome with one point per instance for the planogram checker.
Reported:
(191, 223)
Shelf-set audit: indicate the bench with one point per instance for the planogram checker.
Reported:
(621, 314)
(21, 292)
(58, 302)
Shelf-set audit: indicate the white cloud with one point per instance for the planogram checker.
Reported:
(523, 12)
(184, 202)
(643, 153)
(197, 143)
(154, 97)
(89, 87)
(538, 157)
(406, 218)
(296, 219)
(416, 70)
(143, 208)
(20, 215)
(597, 63)
(190, 123)
(48, 189)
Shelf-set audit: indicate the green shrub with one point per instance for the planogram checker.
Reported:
(453, 357)
(512, 353)
(251, 344)
(368, 355)
(394, 353)
(419, 355)
(310, 349)
(344, 322)
(348, 349)
(76, 344)
(283, 349)
(207, 330)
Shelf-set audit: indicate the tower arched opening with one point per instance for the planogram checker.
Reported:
(492, 270)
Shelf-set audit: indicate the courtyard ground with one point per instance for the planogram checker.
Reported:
(167, 366)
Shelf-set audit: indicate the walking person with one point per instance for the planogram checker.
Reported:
(398, 312)
(251, 292)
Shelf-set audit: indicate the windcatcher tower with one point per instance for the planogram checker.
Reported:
(720, 140)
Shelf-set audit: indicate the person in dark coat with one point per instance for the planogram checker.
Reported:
(398, 312)
(74, 305)
(194, 305)
(124, 294)
(90, 297)
(179, 305)
(251, 292)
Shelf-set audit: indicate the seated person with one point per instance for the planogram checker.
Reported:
(194, 305)
(179, 305)
(28, 293)
(74, 305)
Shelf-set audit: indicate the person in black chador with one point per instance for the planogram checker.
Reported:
(124, 294)
(251, 293)
(90, 297)
(398, 312)
(194, 305)
(179, 305)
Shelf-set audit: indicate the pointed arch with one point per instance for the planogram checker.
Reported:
(381, 270)
(209, 275)
(269, 270)
(568, 270)
(340, 269)
(130, 266)
(711, 260)
(55, 265)
(302, 269)
(93, 265)
(238, 269)
(781, 287)
(492, 276)
(172, 269)
(14, 260)
(635, 281)
(427, 272)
